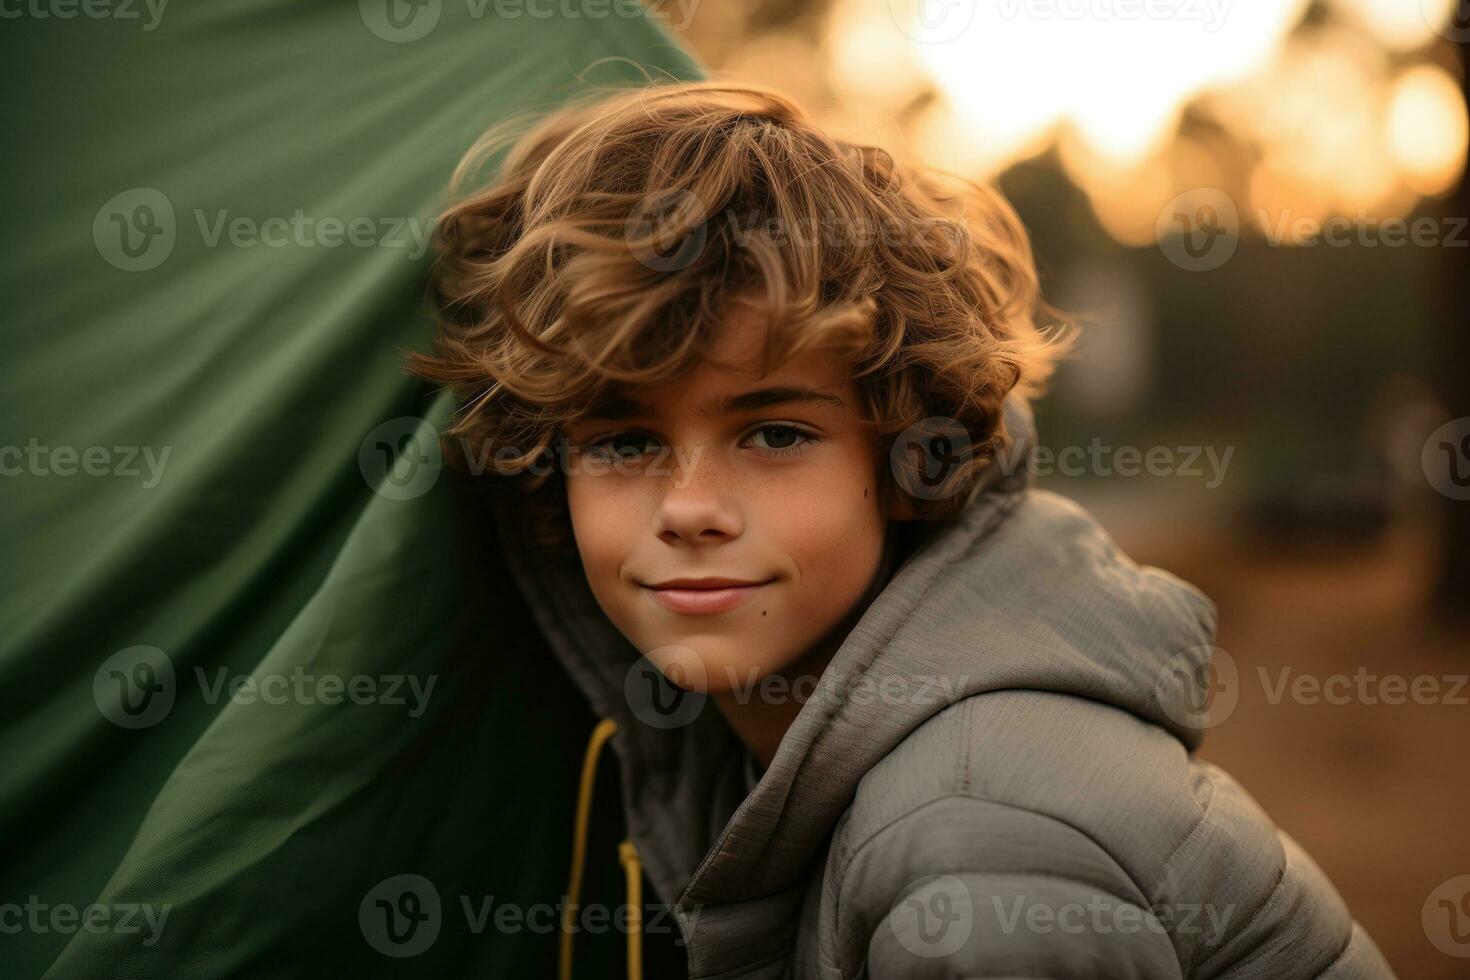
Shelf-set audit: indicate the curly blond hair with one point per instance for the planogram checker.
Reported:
(621, 226)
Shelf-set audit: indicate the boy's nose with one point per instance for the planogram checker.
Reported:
(700, 512)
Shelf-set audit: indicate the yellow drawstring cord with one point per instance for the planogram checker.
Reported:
(633, 871)
(627, 854)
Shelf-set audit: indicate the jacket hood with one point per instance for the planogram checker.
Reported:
(1023, 590)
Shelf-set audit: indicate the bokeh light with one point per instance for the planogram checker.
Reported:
(1427, 128)
(1338, 108)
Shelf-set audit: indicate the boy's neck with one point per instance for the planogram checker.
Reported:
(761, 722)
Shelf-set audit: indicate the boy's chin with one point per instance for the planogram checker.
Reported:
(718, 666)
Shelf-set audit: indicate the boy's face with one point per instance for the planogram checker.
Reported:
(778, 494)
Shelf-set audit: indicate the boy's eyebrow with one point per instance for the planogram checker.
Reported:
(622, 407)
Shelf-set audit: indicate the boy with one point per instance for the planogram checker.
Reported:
(759, 399)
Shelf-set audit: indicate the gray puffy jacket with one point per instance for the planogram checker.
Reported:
(994, 777)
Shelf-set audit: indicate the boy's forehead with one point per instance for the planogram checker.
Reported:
(728, 377)
(733, 394)
(739, 339)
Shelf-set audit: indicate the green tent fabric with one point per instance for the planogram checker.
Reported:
(216, 473)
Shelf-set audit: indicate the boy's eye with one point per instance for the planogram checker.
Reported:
(772, 439)
(625, 444)
(780, 438)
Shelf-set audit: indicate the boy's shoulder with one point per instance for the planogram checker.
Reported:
(1130, 786)
(1039, 809)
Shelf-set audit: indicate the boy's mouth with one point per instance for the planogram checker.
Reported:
(703, 596)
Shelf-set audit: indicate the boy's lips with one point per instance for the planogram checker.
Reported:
(704, 596)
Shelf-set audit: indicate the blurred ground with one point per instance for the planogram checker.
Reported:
(1377, 793)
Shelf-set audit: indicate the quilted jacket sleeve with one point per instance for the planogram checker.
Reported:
(986, 889)
(989, 890)
(1067, 839)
